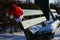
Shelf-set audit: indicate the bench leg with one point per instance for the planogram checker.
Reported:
(11, 30)
(15, 29)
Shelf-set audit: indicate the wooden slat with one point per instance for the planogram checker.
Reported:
(54, 12)
(28, 23)
(32, 12)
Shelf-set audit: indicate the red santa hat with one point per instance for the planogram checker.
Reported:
(16, 11)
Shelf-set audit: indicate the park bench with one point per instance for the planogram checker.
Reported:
(41, 19)
(56, 9)
(55, 14)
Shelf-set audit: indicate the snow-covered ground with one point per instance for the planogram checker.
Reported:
(57, 34)
(15, 36)
(20, 35)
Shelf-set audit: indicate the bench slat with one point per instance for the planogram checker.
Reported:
(32, 12)
(54, 12)
(28, 23)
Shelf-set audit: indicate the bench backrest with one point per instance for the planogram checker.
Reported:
(30, 22)
(32, 12)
